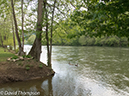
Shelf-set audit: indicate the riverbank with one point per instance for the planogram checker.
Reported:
(22, 70)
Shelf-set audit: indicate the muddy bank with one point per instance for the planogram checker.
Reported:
(23, 70)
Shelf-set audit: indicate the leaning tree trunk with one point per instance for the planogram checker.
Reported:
(36, 48)
(16, 30)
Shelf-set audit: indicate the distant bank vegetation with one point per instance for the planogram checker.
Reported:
(112, 41)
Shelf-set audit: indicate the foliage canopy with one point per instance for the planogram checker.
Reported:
(103, 18)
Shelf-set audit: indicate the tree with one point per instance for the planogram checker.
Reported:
(5, 34)
(16, 30)
(1, 41)
(22, 24)
(36, 48)
(49, 50)
(47, 37)
(14, 42)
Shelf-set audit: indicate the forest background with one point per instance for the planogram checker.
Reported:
(76, 22)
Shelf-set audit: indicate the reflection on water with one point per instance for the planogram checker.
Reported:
(102, 71)
(28, 86)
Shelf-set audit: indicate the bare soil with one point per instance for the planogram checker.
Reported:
(23, 70)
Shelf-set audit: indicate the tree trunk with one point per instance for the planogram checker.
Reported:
(13, 36)
(36, 48)
(51, 34)
(47, 38)
(16, 30)
(49, 50)
(1, 40)
(22, 24)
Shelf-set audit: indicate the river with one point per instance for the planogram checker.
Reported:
(101, 71)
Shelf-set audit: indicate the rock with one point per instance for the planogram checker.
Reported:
(17, 59)
(28, 58)
(21, 58)
(9, 59)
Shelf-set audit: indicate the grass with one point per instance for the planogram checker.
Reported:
(26, 56)
(4, 55)
(40, 65)
(27, 68)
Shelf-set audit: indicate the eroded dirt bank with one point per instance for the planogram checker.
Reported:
(23, 70)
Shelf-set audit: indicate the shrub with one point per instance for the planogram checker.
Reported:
(28, 56)
(112, 41)
(82, 40)
(14, 57)
(124, 41)
(90, 41)
(98, 41)
(24, 56)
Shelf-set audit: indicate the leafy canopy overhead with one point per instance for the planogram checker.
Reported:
(108, 17)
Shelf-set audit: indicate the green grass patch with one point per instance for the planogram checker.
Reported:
(27, 65)
(5, 55)
(41, 66)
(14, 57)
(27, 68)
(26, 56)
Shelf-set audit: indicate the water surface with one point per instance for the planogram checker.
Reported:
(102, 71)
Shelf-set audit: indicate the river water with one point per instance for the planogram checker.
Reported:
(101, 71)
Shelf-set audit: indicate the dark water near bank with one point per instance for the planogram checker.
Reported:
(102, 71)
